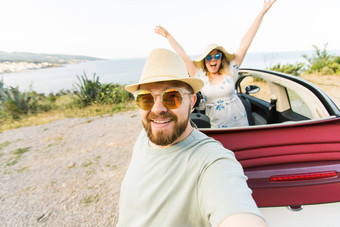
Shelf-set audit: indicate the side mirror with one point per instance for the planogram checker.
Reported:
(252, 89)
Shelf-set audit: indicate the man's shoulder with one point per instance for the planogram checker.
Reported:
(203, 139)
(209, 146)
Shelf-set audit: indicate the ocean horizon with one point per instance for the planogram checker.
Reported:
(123, 71)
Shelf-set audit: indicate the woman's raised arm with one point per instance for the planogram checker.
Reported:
(191, 67)
(249, 36)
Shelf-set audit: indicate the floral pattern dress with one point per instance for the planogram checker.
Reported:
(223, 106)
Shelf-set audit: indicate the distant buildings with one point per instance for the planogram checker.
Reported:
(23, 61)
(10, 67)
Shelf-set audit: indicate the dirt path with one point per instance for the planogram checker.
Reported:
(66, 173)
(329, 84)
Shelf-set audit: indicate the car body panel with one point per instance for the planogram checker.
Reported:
(295, 136)
(304, 147)
(310, 215)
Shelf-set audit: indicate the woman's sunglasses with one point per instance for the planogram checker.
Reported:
(171, 98)
(217, 56)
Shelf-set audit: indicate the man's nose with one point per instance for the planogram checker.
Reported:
(158, 106)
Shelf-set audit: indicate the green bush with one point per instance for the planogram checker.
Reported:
(114, 94)
(87, 91)
(92, 91)
(335, 67)
(14, 103)
(321, 62)
(289, 68)
(337, 59)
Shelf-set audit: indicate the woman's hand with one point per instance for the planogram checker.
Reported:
(191, 67)
(161, 31)
(267, 5)
(249, 36)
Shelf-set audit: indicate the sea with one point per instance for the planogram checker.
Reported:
(122, 71)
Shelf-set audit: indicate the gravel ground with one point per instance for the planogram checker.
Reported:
(66, 173)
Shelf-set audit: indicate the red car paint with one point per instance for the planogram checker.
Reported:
(307, 147)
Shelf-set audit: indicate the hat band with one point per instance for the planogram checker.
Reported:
(157, 78)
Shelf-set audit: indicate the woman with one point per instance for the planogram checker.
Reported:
(219, 71)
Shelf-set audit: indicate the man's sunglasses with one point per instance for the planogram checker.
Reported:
(171, 98)
(217, 56)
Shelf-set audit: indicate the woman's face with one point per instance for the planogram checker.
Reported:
(211, 63)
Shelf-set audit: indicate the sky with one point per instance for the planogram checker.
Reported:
(116, 29)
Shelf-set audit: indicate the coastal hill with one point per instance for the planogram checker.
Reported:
(22, 61)
(35, 57)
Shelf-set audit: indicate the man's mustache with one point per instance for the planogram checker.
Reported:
(161, 115)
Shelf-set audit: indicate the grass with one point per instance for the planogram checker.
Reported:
(51, 145)
(90, 171)
(16, 155)
(87, 163)
(90, 199)
(21, 170)
(4, 144)
(20, 151)
(62, 113)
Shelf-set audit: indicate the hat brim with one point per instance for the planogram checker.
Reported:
(195, 83)
(199, 61)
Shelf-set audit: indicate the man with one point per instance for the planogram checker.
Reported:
(177, 175)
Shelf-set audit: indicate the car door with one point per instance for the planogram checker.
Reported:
(288, 164)
(292, 157)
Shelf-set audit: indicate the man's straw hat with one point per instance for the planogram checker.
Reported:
(199, 61)
(165, 65)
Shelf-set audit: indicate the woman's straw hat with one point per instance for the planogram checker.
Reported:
(199, 61)
(165, 65)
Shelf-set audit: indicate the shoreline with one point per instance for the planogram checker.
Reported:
(24, 66)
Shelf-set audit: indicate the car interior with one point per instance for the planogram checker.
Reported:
(270, 98)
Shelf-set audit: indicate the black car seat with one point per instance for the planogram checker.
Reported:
(198, 116)
(247, 106)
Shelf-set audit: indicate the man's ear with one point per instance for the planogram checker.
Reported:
(193, 100)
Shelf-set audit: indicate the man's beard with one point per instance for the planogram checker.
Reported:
(161, 138)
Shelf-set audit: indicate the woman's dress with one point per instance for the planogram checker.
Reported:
(223, 106)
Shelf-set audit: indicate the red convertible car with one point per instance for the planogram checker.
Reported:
(291, 150)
